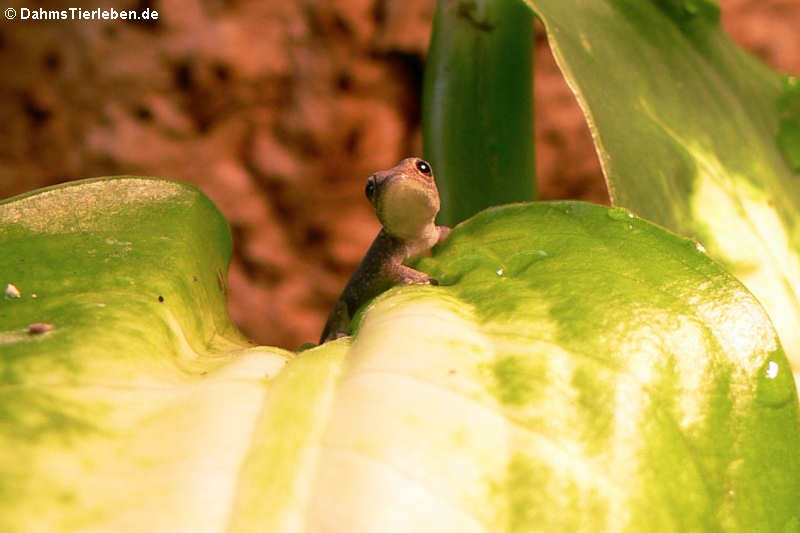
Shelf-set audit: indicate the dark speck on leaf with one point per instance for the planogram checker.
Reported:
(38, 328)
(160, 298)
(221, 281)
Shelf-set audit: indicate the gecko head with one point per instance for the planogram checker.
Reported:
(405, 198)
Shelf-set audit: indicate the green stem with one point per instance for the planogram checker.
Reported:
(478, 105)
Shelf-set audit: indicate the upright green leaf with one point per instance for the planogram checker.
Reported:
(477, 105)
(579, 369)
(692, 133)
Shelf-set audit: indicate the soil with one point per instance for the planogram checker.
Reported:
(278, 111)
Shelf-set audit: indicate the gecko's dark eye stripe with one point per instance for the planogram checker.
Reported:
(369, 190)
(423, 167)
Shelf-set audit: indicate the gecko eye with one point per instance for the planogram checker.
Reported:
(423, 167)
(369, 190)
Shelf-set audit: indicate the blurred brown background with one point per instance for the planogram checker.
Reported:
(278, 110)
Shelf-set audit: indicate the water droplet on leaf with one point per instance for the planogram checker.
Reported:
(521, 261)
(772, 369)
(619, 213)
(775, 383)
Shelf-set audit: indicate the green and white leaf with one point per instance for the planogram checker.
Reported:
(578, 369)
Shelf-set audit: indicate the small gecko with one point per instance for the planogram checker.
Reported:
(406, 201)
